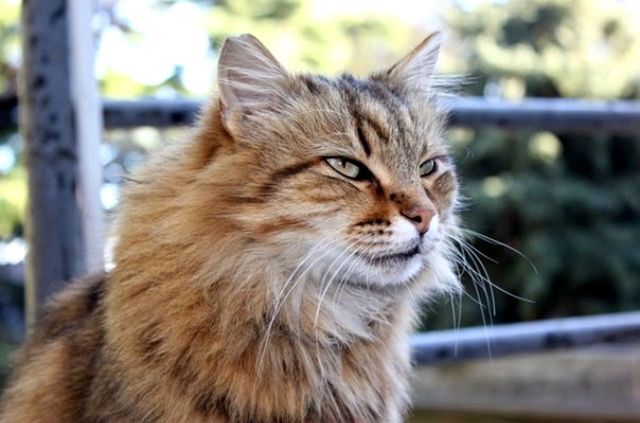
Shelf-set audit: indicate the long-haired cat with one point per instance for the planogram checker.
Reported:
(269, 267)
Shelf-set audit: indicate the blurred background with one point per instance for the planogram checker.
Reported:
(568, 202)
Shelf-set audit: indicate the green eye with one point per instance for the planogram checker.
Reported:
(348, 168)
(428, 168)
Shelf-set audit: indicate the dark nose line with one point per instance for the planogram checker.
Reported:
(420, 216)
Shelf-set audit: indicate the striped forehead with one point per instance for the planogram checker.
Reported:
(383, 122)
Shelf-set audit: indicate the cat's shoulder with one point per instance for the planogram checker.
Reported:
(70, 308)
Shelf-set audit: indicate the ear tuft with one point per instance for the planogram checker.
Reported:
(248, 75)
(416, 70)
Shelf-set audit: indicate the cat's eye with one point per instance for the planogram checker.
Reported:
(349, 168)
(429, 167)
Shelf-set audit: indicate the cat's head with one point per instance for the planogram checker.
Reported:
(347, 178)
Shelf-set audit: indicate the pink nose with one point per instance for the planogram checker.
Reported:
(420, 216)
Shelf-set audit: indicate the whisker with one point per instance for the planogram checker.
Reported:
(488, 280)
(280, 299)
(324, 291)
(479, 265)
(490, 240)
(345, 251)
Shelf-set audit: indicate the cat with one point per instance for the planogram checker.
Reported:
(268, 268)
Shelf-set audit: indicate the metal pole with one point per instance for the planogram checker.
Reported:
(48, 118)
(551, 114)
(544, 335)
(88, 109)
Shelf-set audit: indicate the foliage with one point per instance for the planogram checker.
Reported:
(9, 45)
(569, 202)
(12, 202)
(12, 187)
(291, 29)
(548, 48)
(358, 43)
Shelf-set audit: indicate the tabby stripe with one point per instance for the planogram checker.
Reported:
(352, 87)
(280, 225)
(283, 174)
(362, 138)
(393, 102)
(444, 182)
(382, 133)
(289, 171)
(95, 294)
(310, 84)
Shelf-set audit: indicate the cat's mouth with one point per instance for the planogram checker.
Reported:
(389, 267)
(393, 258)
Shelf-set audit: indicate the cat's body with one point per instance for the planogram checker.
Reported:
(259, 276)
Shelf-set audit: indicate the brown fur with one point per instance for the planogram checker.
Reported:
(221, 307)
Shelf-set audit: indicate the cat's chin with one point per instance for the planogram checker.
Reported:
(385, 272)
(430, 267)
(431, 274)
(381, 271)
(391, 272)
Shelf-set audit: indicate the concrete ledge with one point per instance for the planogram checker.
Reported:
(572, 385)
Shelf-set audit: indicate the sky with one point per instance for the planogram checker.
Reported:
(178, 36)
(158, 50)
(153, 57)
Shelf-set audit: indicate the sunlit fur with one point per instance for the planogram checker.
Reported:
(249, 281)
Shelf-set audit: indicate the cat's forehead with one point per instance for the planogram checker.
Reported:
(371, 117)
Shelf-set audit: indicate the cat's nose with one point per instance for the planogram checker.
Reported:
(420, 216)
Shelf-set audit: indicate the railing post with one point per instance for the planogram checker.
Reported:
(88, 108)
(49, 117)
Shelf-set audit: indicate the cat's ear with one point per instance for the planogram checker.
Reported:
(248, 76)
(416, 70)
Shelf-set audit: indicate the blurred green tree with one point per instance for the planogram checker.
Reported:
(569, 202)
(12, 182)
(303, 41)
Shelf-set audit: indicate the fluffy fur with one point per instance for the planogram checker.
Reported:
(253, 281)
